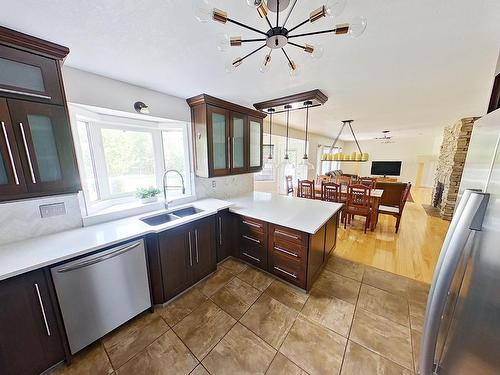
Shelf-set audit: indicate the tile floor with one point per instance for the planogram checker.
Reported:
(356, 320)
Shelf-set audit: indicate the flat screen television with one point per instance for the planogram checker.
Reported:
(386, 168)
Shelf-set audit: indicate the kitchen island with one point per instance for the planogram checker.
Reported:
(289, 237)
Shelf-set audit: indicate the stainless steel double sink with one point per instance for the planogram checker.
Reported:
(171, 216)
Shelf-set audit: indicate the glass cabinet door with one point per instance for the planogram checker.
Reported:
(218, 120)
(255, 144)
(238, 137)
(11, 174)
(24, 75)
(46, 146)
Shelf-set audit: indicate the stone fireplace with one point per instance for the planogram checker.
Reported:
(450, 166)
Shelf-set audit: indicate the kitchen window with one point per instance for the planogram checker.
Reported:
(328, 166)
(119, 155)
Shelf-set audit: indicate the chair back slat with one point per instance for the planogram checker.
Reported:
(330, 192)
(367, 181)
(305, 189)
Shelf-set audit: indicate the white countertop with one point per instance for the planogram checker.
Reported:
(23, 256)
(27, 255)
(305, 215)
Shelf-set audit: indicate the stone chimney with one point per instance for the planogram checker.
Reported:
(451, 162)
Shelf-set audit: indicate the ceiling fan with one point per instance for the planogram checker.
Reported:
(386, 138)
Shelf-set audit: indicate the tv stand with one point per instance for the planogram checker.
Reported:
(387, 179)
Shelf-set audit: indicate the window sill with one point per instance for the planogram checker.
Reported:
(124, 210)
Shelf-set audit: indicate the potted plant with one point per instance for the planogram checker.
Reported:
(148, 195)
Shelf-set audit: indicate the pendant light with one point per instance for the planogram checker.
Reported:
(269, 160)
(286, 164)
(305, 163)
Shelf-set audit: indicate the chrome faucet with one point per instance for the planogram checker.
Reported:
(166, 187)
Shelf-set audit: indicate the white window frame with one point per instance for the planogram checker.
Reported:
(95, 122)
(332, 164)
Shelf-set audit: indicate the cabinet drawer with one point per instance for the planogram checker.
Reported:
(253, 252)
(253, 235)
(288, 234)
(291, 270)
(289, 249)
(253, 224)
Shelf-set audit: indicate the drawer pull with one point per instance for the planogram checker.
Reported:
(285, 251)
(286, 234)
(251, 257)
(251, 239)
(285, 272)
(252, 224)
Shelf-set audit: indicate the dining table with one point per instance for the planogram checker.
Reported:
(375, 195)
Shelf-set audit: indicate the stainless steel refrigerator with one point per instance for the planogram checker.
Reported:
(461, 332)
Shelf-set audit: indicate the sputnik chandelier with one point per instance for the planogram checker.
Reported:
(278, 36)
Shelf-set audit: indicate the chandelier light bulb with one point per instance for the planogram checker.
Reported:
(357, 26)
(266, 64)
(294, 70)
(202, 10)
(334, 8)
(317, 52)
(223, 42)
(254, 3)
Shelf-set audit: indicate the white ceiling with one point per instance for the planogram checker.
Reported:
(419, 66)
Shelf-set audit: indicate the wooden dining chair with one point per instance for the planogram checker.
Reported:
(343, 180)
(330, 192)
(358, 204)
(367, 181)
(289, 185)
(396, 210)
(305, 189)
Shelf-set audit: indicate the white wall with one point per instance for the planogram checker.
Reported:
(411, 151)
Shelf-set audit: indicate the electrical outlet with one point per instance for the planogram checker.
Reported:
(214, 184)
(54, 209)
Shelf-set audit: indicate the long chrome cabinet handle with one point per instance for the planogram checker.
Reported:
(17, 92)
(190, 250)
(280, 249)
(251, 257)
(285, 272)
(90, 262)
(196, 244)
(251, 239)
(43, 309)
(9, 150)
(442, 283)
(252, 224)
(286, 234)
(26, 150)
(220, 230)
(228, 163)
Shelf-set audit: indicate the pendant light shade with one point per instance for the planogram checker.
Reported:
(269, 161)
(286, 164)
(305, 163)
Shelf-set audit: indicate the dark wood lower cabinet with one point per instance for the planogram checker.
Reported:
(225, 234)
(180, 257)
(30, 332)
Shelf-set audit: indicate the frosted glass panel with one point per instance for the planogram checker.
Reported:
(255, 146)
(16, 74)
(219, 140)
(3, 172)
(238, 143)
(44, 143)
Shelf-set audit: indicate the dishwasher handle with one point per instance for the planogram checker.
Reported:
(90, 262)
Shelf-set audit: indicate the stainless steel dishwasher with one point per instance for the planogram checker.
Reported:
(100, 292)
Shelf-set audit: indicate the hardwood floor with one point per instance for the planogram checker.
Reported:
(413, 252)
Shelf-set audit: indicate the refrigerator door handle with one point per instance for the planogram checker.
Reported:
(449, 260)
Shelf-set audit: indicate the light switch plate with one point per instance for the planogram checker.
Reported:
(54, 209)
(214, 184)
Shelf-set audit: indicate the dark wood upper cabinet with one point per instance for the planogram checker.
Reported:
(30, 339)
(46, 147)
(227, 137)
(11, 171)
(36, 144)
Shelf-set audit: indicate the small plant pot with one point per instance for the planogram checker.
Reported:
(149, 200)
